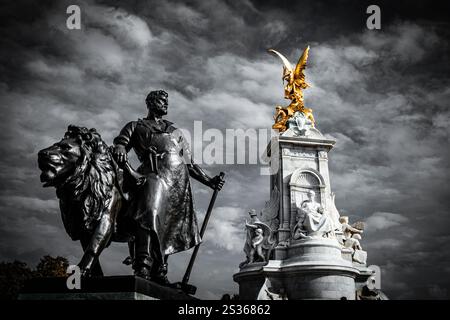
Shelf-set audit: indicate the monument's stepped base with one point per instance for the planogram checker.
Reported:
(102, 288)
(314, 269)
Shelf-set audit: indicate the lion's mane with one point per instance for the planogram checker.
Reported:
(93, 180)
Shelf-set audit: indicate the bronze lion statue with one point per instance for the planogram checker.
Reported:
(88, 184)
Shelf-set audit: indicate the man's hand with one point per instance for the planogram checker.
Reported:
(217, 182)
(120, 153)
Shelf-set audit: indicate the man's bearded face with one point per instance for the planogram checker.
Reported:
(159, 105)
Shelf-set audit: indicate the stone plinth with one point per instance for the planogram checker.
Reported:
(313, 269)
(250, 279)
(101, 288)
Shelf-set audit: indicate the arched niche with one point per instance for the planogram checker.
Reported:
(302, 180)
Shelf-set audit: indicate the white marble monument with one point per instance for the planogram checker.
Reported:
(307, 261)
(315, 253)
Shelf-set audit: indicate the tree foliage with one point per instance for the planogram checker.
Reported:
(12, 277)
(51, 267)
(14, 274)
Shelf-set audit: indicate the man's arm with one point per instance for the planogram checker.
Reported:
(122, 142)
(196, 172)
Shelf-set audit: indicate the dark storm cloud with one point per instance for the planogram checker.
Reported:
(383, 94)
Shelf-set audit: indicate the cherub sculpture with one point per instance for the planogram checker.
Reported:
(293, 90)
(352, 235)
(281, 117)
(350, 230)
(353, 242)
(257, 245)
(259, 242)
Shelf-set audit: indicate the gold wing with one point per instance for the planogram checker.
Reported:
(299, 76)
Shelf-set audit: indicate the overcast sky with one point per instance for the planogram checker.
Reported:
(383, 94)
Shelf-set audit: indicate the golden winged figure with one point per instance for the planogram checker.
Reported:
(293, 90)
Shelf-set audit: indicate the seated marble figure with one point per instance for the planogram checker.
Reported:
(312, 222)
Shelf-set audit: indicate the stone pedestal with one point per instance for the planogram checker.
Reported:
(301, 164)
(101, 288)
(313, 269)
(250, 279)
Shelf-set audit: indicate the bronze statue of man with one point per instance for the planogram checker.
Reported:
(162, 208)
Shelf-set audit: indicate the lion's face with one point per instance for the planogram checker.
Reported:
(59, 161)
